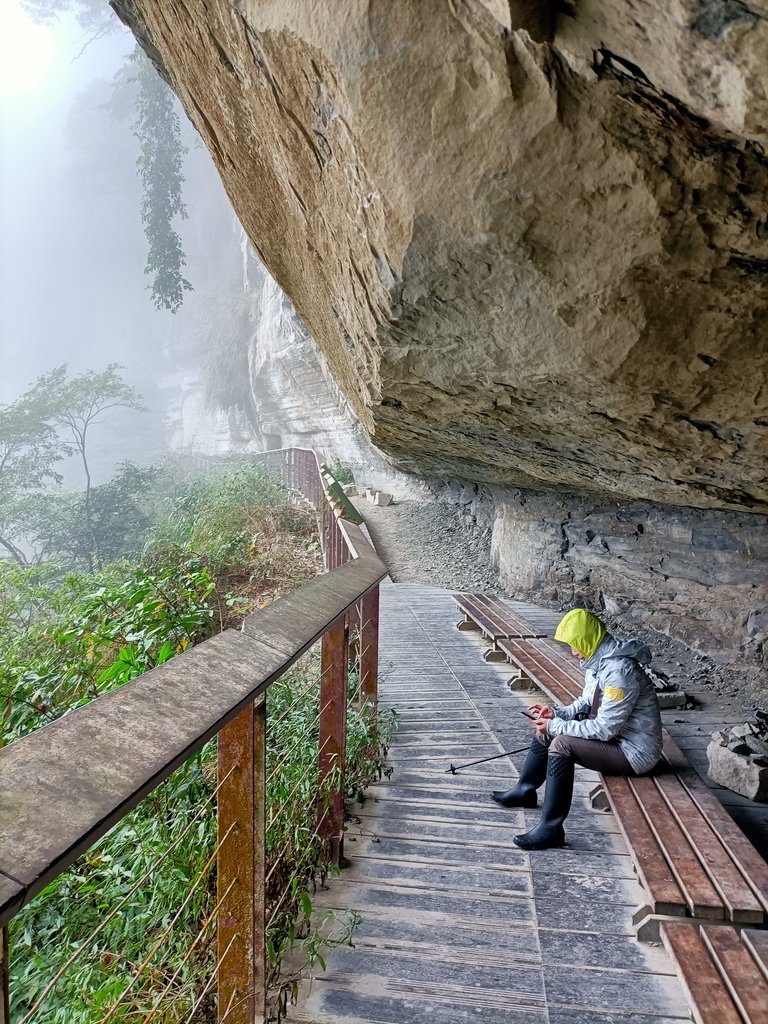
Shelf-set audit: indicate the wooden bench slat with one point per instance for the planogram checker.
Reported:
(478, 611)
(757, 942)
(744, 855)
(508, 615)
(740, 902)
(528, 656)
(489, 628)
(569, 672)
(655, 874)
(744, 980)
(707, 993)
(557, 652)
(494, 617)
(702, 898)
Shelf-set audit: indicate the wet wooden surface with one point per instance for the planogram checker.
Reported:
(457, 923)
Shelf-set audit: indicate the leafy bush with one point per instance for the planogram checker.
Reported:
(343, 474)
(220, 546)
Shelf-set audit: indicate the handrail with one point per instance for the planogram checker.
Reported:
(65, 785)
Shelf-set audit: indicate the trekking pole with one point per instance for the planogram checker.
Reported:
(457, 767)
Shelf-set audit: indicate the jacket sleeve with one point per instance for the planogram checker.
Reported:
(621, 690)
(569, 711)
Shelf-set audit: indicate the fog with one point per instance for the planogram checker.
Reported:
(72, 249)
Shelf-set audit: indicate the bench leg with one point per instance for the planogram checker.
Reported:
(598, 799)
(648, 928)
(493, 654)
(467, 625)
(520, 682)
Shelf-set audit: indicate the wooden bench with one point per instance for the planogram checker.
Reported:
(691, 857)
(494, 619)
(542, 663)
(724, 971)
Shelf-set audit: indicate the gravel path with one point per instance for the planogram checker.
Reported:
(427, 542)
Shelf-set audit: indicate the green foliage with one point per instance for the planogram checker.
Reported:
(296, 857)
(85, 399)
(160, 164)
(218, 546)
(50, 421)
(342, 473)
(52, 928)
(30, 448)
(158, 131)
(63, 524)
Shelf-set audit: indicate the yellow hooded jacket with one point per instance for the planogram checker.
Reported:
(629, 711)
(581, 630)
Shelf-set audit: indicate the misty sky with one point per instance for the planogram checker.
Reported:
(43, 319)
(72, 247)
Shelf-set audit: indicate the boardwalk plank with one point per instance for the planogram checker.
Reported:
(459, 924)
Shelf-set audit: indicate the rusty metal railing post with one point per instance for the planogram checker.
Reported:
(241, 868)
(327, 537)
(369, 649)
(332, 740)
(335, 538)
(355, 637)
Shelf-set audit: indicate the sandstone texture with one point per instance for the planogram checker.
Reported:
(531, 240)
(289, 397)
(693, 574)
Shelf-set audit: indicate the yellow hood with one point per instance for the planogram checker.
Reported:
(582, 630)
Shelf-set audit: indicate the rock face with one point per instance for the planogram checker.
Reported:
(738, 760)
(290, 397)
(695, 575)
(530, 240)
(532, 248)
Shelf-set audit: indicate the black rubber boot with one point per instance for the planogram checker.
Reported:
(531, 777)
(549, 832)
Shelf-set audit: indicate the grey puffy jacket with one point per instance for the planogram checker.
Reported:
(629, 710)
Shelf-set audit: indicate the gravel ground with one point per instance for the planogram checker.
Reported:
(430, 543)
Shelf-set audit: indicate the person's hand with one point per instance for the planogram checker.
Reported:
(542, 710)
(540, 725)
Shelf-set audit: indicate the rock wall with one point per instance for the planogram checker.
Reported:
(293, 399)
(532, 246)
(695, 575)
(531, 242)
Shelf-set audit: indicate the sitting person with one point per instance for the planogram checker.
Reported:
(613, 727)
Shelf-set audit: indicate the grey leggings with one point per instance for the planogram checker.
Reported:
(596, 754)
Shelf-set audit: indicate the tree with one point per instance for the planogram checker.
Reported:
(29, 450)
(161, 155)
(158, 130)
(56, 525)
(94, 16)
(83, 401)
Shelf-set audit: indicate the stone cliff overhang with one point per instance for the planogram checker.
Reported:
(532, 248)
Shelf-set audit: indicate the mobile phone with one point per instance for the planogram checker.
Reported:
(528, 715)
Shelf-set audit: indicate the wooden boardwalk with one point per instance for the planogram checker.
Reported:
(458, 924)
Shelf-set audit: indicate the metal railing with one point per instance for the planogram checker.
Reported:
(65, 785)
